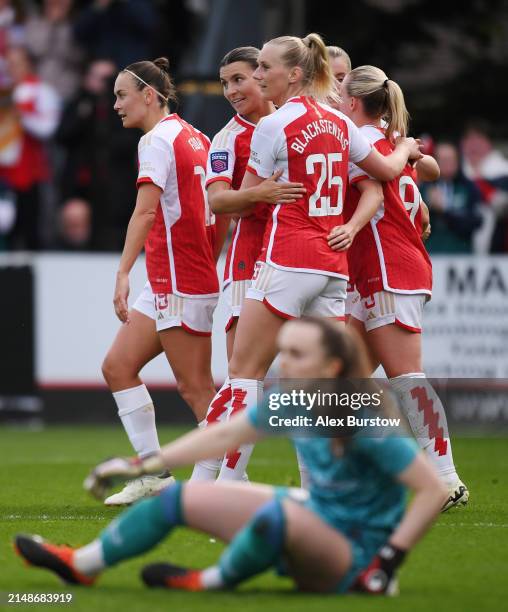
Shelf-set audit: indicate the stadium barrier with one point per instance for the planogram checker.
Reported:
(57, 328)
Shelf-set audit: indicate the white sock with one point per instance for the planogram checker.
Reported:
(89, 559)
(426, 416)
(304, 472)
(217, 411)
(246, 392)
(136, 411)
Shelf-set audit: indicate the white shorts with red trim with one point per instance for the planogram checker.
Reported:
(352, 298)
(385, 308)
(195, 315)
(234, 294)
(294, 294)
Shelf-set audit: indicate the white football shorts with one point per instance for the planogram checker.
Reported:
(352, 297)
(194, 314)
(234, 294)
(291, 294)
(386, 307)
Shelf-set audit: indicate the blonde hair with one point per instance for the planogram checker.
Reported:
(309, 54)
(381, 97)
(336, 52)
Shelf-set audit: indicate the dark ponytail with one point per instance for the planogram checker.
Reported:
(156, 75)
(344, 344)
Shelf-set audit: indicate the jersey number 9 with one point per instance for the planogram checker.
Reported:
(412, 205)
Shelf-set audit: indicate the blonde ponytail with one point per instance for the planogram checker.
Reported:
(311, 55)
(381, 98)
(397, 116)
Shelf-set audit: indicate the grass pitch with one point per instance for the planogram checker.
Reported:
(461, 565)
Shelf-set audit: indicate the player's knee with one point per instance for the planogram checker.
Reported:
(193, 389)
(115, 371)
(108, 369)
(242, 368)
(269, 524)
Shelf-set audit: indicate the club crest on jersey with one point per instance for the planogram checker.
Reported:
(219, 161)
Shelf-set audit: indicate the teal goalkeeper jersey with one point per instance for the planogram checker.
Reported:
(358, 491)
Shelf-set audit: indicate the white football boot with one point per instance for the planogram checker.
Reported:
(458, 495)
(146, 486)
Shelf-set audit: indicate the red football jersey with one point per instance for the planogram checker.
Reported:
(388, 253)
(227, 160)
(179, 257)
(312, 144)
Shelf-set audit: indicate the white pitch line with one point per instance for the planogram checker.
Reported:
(47, 517)
(481, 525)
(100, 517)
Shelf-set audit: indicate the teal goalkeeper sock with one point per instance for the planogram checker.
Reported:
(142, 526)
(256, 547)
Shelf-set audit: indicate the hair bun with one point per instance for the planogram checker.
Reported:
(162, 63)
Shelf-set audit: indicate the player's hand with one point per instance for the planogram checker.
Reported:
(341, 237)
(273, 192)
(121, 296)
(111, 473)
(377, 577)
(414, 145)
(426, 232)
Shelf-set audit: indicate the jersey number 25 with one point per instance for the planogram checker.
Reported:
(319, 205)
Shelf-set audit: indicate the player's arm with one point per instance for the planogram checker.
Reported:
(204, 443)
(342, 236)
(388, 167)
(223, 199)
(139, 225)
(429, 496)
(199, 444)
(427, 169)
(426, 229)
(222, 223)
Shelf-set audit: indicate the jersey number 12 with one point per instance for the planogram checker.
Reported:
(209, 216)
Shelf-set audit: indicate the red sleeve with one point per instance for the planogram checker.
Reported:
(226, 179)
(251, 170)
(143, 179)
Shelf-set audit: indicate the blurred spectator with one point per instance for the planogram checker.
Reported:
(7, 213)
(12, 33)
(50, 40)
(121, 30)
(37, 106)
(453, 202)
(488, 168)
(101, 163)
(75, 226)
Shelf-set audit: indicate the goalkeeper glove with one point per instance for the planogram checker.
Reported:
(379, 577)
(113, 472)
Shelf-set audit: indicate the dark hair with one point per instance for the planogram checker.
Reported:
(248, 55)
(156, 75)
(347, 345)
(343, 344)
